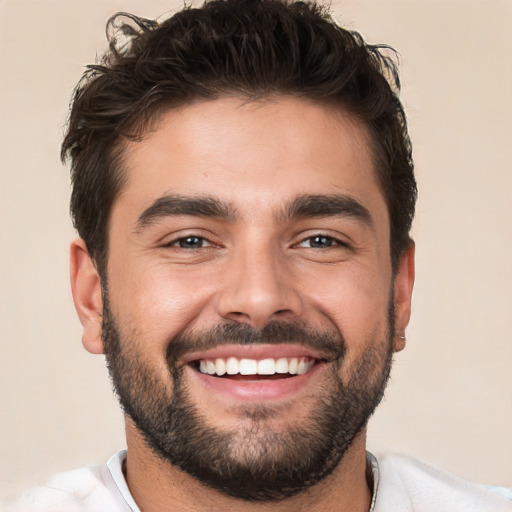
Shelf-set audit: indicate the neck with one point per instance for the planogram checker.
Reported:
(156, 485)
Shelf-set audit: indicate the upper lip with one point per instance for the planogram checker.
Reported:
(255, 351)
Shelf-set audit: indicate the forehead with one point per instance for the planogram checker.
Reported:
(253, 154)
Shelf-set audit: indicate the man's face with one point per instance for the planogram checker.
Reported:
(250, 239)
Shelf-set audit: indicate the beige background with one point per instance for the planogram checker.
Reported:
(450, 399)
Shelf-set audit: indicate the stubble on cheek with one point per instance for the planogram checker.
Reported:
(268, 453)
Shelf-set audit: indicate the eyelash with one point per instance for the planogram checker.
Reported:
(333, 242)
(176, 243)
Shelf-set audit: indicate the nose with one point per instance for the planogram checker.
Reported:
(258, 288)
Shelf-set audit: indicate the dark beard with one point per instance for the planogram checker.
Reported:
(255, 462)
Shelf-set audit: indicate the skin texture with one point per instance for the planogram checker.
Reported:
(255, 265)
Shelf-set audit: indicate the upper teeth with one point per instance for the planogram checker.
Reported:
(270, 366)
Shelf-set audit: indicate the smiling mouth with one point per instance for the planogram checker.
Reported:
(255, 369)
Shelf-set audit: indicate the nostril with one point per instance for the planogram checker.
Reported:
(238, 314)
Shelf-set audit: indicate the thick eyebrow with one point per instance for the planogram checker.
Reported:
(320, 205)
(168, 206)
(329, 205)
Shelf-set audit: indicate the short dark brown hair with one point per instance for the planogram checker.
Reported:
(248, 48)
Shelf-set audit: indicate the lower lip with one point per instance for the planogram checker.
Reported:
(256, 391)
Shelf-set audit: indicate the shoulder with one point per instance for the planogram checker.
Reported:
(406, 483)
(81, 490)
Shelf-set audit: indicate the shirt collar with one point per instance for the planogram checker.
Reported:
(372, 477)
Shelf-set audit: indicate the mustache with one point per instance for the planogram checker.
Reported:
(331, 345)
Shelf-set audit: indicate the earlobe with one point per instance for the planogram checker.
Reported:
(86, 289)
(403, 285)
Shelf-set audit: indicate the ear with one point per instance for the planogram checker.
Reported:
(403, 285)
(86, 289)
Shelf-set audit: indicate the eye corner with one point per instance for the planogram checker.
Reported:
(185, 241)
(320, 241)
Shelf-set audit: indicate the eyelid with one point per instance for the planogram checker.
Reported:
(338, 240)
(176, 238)
(204, 242)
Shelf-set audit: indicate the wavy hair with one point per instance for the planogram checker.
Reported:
(248, 48)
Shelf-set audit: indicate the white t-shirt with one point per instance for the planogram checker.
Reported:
(401, 484)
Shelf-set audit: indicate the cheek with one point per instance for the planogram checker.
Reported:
(158, 301)
(356, 302)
